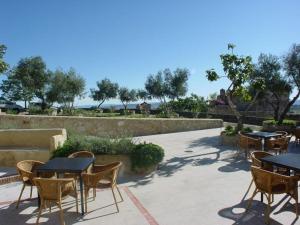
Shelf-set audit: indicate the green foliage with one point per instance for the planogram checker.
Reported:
(13, 89)
(12, 112)
(143, 95)
(3, 65)
(106, 90)
(167, 84)
(126, 96)
(284, 122)
(238, 70)
(142, 155)
(268, 69)
(146, 155)
(246, 130)
(194, 104)
(35, 110)
(96, 145)
(33, 76)
(65, 87)
(231, 131)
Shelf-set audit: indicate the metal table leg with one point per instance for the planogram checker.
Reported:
(81, 194)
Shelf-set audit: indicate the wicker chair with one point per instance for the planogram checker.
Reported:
(102, 176)
(53, 191)
(82, 154)
(270, 183)
(26, 170)
(278, 145)
(282, 133)
(248, 143)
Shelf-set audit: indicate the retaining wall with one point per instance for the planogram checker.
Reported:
(105, 127)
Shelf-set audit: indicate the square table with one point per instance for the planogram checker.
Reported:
(68, 165)
(263, 135)
(290, 161)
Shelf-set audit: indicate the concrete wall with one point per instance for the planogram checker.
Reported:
(109, 126)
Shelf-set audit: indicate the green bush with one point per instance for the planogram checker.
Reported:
(96, 145)
(146, 155)
(285, 122)
(231, 131)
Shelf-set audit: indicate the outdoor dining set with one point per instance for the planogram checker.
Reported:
(274, 170)
(59, 178)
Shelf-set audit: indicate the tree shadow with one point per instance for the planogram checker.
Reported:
(255, 215)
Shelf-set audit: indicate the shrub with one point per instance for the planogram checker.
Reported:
(146, 155)
(95, 144)
(231, 131)
(285, 122)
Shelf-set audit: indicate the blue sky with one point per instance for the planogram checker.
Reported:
(128, 40)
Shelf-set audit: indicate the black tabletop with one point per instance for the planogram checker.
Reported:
(262, 134)
(71, 165)
(288, 160)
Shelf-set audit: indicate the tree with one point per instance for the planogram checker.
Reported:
(3, 65)
(65, 87)
(143, 95)
(238, 70)
(269, 69)
(176, 82)
(166, 84)
(106, 90)
(126, 96)
(33, 75)
(13, 90)
(292, 71)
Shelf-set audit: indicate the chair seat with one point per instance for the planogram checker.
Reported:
(104, 183)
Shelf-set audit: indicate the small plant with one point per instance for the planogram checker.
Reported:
(231, 131)
(284, 123)
(247, 130)
(146, 155)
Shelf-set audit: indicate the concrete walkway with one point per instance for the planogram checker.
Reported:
(198, 183)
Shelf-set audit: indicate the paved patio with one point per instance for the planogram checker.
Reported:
(199, 182)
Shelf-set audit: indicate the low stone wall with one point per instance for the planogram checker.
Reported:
(36, 144)
(104, 127)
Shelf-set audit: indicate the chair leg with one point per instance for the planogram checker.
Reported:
(251, 199)
(94, 193)
(30, 192)
(112, 190)
(18, 202)
(268, 210)
(61, 213)
(122, 196)
(40, 212)
(85, 198)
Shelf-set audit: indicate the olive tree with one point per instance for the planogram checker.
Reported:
(65, 87)
(33, 75)
(106, 90)
(292, 71)
(126, 96)
(269, 69)
(3, 65)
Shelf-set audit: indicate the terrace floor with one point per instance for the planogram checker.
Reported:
(199, 182)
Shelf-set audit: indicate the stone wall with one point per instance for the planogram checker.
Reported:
(109, 127)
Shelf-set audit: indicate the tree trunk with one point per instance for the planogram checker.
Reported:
(25, 104)
(235, 112)
(101, 104)
(287, 108)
